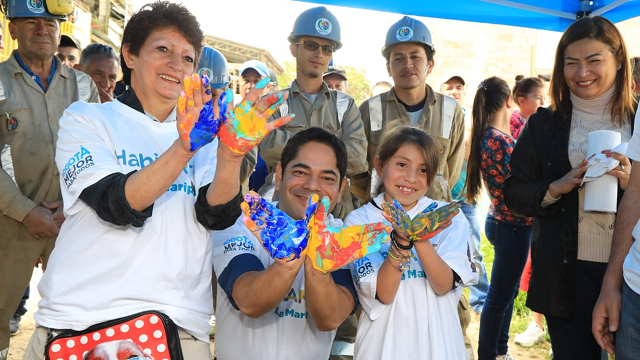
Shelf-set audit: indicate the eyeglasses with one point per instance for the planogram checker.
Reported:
(313, 46)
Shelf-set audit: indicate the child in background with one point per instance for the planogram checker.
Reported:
(528, 93)
(409, 291)
(491, 147)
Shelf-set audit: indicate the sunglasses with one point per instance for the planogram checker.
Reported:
(313, 46)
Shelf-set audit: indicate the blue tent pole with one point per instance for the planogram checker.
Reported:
(537, 9)
(611, 6)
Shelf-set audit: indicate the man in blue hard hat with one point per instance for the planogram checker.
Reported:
(314, 38)
(410, 59)
(35, 88)
(409, 52)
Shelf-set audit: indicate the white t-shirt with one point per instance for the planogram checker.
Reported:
(631, 267)
(286, 332)
(419, 324)
(99, 271)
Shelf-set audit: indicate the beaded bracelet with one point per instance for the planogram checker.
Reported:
(396, 243)
(405, 260)
(392, 255)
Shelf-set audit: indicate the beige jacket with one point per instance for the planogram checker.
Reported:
(450, 141)
(28, 173)
(332, 110)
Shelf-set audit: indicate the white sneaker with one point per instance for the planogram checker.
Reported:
(506, 357)
(532, 335)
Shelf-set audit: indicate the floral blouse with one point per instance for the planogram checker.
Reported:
(496, 149)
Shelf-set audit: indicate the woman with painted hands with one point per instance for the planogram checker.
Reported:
(590, 91)
(137, 177)
(409, 290)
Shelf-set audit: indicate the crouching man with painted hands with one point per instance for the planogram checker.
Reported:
(278, 298)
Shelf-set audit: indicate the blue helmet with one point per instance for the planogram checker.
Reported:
(318, 22)
(37, 8)
(407, 30)
(215, 66)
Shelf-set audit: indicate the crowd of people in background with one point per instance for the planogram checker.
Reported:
(106, 184)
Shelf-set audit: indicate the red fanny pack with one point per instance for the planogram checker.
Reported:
(149, 335)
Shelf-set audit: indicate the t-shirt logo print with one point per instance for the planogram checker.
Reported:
(404, 33)
(35, 6)
(323, 26)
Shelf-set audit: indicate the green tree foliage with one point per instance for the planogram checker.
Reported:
(288, 75)
(359, 86)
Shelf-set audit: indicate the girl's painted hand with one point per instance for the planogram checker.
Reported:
(398, 218)
(331, 248)
(429, 223)
(623, 171)
(282, 237)
(433, 221)
(247, 124)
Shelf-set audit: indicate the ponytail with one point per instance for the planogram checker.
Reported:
(491, 96)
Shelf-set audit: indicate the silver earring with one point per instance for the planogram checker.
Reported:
(619, 67)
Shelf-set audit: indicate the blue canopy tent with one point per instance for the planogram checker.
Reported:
(555, 15)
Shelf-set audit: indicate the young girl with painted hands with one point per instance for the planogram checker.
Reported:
(409, 290)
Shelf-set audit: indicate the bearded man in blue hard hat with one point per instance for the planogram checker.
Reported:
(409, 52)
(35, 88)
(313, 40)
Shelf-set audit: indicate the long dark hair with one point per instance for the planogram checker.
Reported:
(491, 96)
(600, 29)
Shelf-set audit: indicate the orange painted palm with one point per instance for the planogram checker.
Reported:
(331, 248)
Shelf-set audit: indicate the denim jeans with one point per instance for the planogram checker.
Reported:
(477, 293)
(511, 247)
(628, 335)
(22, 309)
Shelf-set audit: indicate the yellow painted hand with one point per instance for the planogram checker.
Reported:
(331, 248)
(247, 125)
(425, 225)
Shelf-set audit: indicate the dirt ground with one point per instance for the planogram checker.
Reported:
(19, 342)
